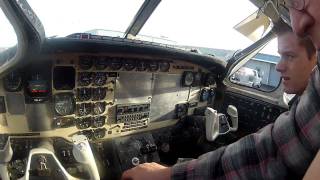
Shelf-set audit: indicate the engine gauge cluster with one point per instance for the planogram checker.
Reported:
(122, 64)
(87, 122)
(85, 104)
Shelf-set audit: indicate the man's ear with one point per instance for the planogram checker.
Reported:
(314, 58)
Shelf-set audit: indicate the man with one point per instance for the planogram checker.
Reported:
(281, 150)
(294, 52)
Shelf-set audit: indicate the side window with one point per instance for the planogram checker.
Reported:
(260, 71)
(8, 36)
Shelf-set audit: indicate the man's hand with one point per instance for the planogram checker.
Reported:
(147, 171)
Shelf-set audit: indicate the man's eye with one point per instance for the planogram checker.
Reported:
(287, 57)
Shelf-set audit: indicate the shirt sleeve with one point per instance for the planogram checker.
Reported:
(280, 150)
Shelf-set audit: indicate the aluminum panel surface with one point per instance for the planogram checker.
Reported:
(167, 93)
(133, 88)
(15, 103)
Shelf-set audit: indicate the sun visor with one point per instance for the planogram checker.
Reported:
(254, 26)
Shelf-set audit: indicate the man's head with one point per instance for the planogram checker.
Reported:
(298, 58)
(305, 18)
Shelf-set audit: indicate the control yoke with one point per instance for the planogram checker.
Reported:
(5, 157)
(42, 162)
(218, 124)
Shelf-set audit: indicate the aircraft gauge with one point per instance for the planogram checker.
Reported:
(187, 78)
(64, 104)
(83, 123)
(84, 109)
(153, 66)
(115, 64)
(101, 63)
(99, 93)
(141, 66)
(204, 95)
(84, 78)
(164, 66)
(12, 82)
(99, 121)
(99, 107)
(85, 62)
(129, 65)
(210, 79)
(83, 94)
(100, 79)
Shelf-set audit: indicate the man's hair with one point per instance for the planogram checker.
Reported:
(305, 41)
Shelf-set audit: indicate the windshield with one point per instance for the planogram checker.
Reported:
(207, 25)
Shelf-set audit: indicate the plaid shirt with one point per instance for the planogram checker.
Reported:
(282, 150)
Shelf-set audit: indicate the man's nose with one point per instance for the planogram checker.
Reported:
(280, 67)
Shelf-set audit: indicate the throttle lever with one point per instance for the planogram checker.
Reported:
(233, 115)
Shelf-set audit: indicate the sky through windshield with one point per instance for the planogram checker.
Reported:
(204, 23)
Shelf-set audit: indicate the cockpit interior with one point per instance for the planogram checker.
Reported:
(89, 106)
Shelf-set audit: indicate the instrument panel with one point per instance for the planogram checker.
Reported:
(101, 96)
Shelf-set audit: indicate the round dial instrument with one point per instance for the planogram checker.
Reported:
(17, 168)
(129, 65)
(84, 109)
(141, 66)
(100, 78)
(85, 62)
(99, 121)
(153, 66)
(83, 94)
(197, 79)
(116, 64)
(98, 93)
(187, 78)
(12, 82)
(164, 66)
(64, 104)
(210, 79)
(101, 63)
(204, 95)
(99, 107)
(99, 133)
(84, 78)
(83, 123)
